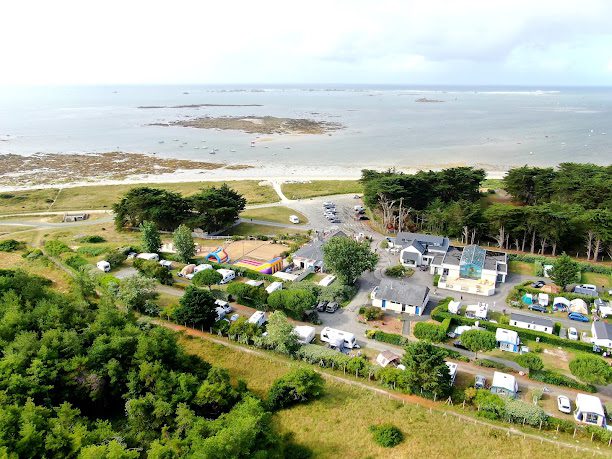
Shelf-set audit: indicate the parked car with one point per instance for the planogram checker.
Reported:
(332, 307)
(294, 219)
(563, 404)
(577, 316)
(335, 220)
(538, 284)
(572, 334)
(459, 345)
(480, 382)
(538, 307)
(322, 306)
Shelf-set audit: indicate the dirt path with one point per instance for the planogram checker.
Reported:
(404, 398)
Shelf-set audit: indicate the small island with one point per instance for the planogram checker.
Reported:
(426, 100)
(259, 124)
(199, 105)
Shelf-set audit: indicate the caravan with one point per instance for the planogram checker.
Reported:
(228, 275)
(305, 334)
(258, 318)
(338, 338)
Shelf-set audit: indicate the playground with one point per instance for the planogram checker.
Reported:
(262, 256)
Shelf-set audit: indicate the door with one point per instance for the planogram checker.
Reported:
(383, 304)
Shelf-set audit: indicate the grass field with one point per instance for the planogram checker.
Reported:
(596, 279)
(520, 267)
(337, 424)
(251, 229)
(103, 196)
(494, 184)
(278, 214)
(320, 188)
(14, 260)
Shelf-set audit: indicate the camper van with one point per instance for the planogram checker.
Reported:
(228, 275)
(103, 266)
(294, 219)
(224, 305)
(258, 318)
(338, 338)
(274, 286)
(304, 333)
(148, 256)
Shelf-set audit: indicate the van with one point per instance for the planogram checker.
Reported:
(227, 308)
(338, 338)
(258, 318)
(294, 219)
(274, 286)
(220, 313)
(148, 256)
(104, 266)
(359, 209)
(228, 275)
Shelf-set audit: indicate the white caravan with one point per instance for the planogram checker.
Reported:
(228, 275)
(339, 338)
(258, 318)
(304, 333)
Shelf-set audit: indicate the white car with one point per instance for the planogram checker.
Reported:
(563, 404)
(572, 334)
(294, 219)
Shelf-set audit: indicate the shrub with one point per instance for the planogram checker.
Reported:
(75, 261)
(338, 292)
(591, 369)
(33, 254)
(436, 279)
(154, 270)
(11, 245)
(517, 411)
(398, 271)
(297, 386)
(384, 244)
(550, 377)
(429, 331)
(530, 361)
(489, 402)
(386, 435)
(491, 364)
(93, 239)
(55, 247)
(372, 313)
(116, 259)
(92, 251)
(390, 338)
(248, 295)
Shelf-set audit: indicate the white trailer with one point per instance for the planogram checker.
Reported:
(104, 266)
(304, 333)
(228, 275)
(148, 256)
(258, 318)
(274, 286)
(339, 338)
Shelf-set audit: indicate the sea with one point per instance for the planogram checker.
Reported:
(384, 126)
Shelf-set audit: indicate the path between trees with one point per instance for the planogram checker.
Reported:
(404, 398)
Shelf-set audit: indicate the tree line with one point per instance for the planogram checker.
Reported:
(564, 209)
(211, 209)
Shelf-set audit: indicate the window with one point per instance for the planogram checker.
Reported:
(471, 262)
(591, 418)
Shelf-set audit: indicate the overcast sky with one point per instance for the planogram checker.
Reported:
(515, 42)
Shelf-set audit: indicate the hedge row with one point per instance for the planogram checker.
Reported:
(550, 377)
(384, 337)
(440, 314)
(585, 267)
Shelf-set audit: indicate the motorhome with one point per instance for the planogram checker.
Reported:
(338, 338)
(148, 256)
(452, 370)
(294, 219)
(224, 305)
(258, 318)
(274, 286)
(104, 266)
(228, 275)
(305, 334)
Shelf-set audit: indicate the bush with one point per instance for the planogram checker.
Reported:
(491, 364)
(92, 251)
(550, 377)
(530, 361)
(93, 239)
(436, 279)
(11, 245)
(390, 338)
(154, 270)
(338, 292)
(33, 254)
(384, 244)
(399, 271)
(55, 247)
(428, 331)
(591, 369)
(75, 261)
(517, 411)
(116, 259)
(249, 295)
(386, 435)
(297, 386)
(371, 313)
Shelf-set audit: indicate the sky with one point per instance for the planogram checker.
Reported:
(467, 42)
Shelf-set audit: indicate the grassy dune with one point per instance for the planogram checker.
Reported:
(320, 188)
(278, 214)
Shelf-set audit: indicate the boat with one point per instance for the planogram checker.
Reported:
(197, 148)
(252, 143)
(161, 141)
(233, 151)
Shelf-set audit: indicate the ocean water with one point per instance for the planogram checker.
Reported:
(492, 127)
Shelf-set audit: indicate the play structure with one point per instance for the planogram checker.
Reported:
(219, 255)
(264, 267)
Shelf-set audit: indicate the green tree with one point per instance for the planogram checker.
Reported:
(478, 341)
(183, 243)
(116, 259)
(591, 369)
(426, 369)
(297, 386)
(564, 271)
(135, 291)
(530, 360)
(387, 435)
(154, 270)
(293, 302)
(207, 277)
(196, 307)
(149, 237)
(164, 208)
(348, 259)
(216, 208)
(280, 336)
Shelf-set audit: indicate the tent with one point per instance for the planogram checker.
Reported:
(386, 358)
(560, 303)
(453, 307)
(527, 298)
(551, 288)
(578, 305)
(543, 299)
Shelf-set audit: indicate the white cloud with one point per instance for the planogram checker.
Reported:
(387, 41)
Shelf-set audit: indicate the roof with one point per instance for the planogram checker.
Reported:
(452, 367)
(401, 292)
(475, 256)
(602, 330)
(314, 250)
(507, 336)
(427, 241)
(505, 381)
(386, 357)
(532, 320)
(589, 404)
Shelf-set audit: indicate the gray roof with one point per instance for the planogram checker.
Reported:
(602, 330)
(314, 250)
(427, 241)
(532, 320)
(409, 256)
(402, 292)
(454, 254)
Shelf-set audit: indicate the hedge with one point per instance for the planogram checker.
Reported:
(384, 337)
(550, 377)
(429, 331)
(585, 267)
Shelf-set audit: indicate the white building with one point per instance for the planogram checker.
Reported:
(507, 340)
(504, 384)
(602, 334)
(532, 323)
(399, 296)
(589, 410)
(470, 270)
(419, 249)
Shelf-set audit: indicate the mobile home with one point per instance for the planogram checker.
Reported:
(228, 275)
(258, 318)
(338, 338)
(304, 333)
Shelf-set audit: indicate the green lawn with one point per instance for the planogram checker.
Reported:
(494, 184)
(278, 214)
(252, 229)
(338, 423)
(596, 279)
(520, 267)
(321, 188)
(103, 196)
